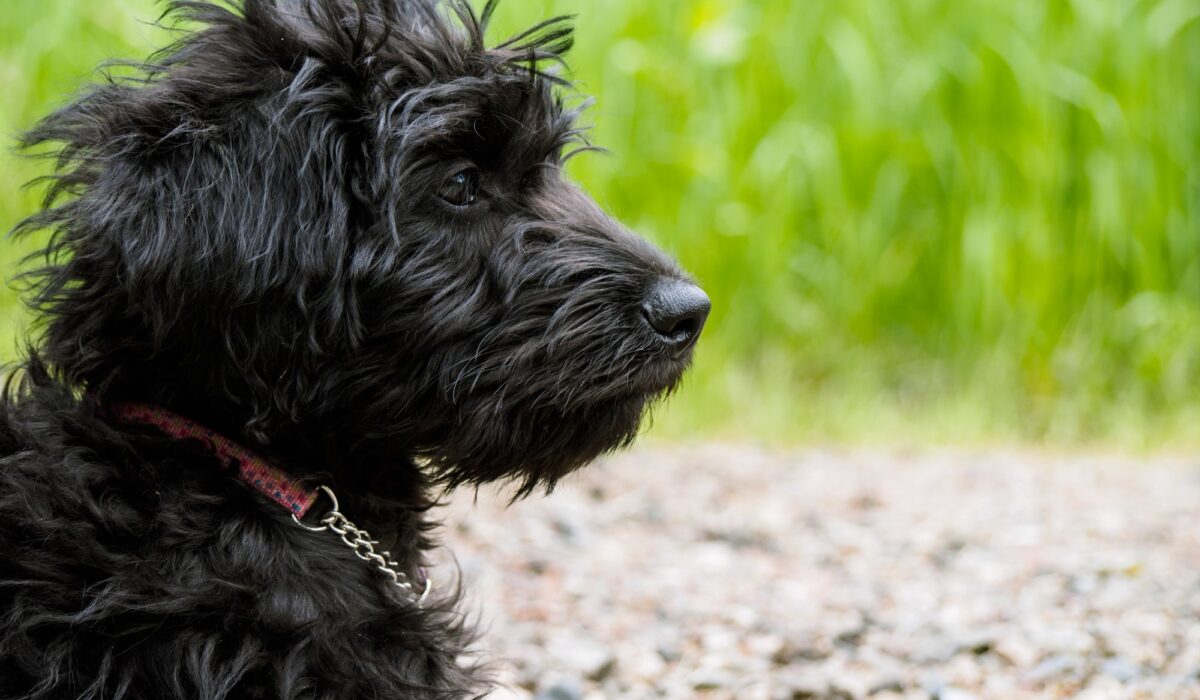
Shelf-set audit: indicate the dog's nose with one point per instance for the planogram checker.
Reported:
(676, 310)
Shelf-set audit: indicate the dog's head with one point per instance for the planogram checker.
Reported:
(345, 224)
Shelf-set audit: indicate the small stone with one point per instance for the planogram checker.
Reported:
(743, 616)
(669, 650)
(1121, 669)
(952, 693)
(641, 663)
(792, 652)
(1062, 640)
(887, 683)
(561, 689)
(933, 650)
(933, 684)
(719, 639)
(852, 635)
(570, 529)
(1103, 688)
(977, 643)
(766, 646)
(801, 685)
(1016, 651)
(712, 679)
(584, 656)
(1053, 667)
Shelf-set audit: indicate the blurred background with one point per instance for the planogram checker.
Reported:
(923, 221)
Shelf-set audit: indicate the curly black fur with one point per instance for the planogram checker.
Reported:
(253, 233)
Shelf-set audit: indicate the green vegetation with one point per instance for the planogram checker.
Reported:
(933, 219)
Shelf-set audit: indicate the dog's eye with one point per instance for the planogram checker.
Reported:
(461, 188)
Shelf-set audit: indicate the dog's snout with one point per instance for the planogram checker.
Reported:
(676, 310)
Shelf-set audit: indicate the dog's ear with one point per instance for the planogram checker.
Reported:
(220, 163)
(234, 158)
(222, 177)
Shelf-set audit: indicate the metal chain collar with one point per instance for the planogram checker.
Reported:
(360, 541)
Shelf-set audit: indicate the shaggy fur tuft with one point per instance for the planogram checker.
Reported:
(338, 232)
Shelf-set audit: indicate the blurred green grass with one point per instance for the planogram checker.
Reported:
(934, 220)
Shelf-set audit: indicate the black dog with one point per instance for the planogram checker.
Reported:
(314, 243)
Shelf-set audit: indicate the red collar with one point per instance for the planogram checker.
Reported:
(265, 477)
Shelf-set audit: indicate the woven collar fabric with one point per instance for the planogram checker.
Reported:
(265, 477)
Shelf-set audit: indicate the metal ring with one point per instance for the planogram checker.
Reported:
(329, 493)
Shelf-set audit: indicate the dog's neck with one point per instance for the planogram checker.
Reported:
(302, 446)
(378, 481)
(257, 472)
(277, 486)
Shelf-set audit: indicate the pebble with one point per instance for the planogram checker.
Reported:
(730, 572)
(586, 657)
(669, 651)
(1053, 667)
(561, 689)
(1016, 652)
(712, 678)
(1121, 669)
(887, 682)
(952, 693)
(801, 684)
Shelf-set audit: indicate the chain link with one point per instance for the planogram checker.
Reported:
(360, 541)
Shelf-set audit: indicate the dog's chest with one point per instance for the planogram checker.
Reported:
(115, 582)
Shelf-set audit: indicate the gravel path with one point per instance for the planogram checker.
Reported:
(724, 572)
